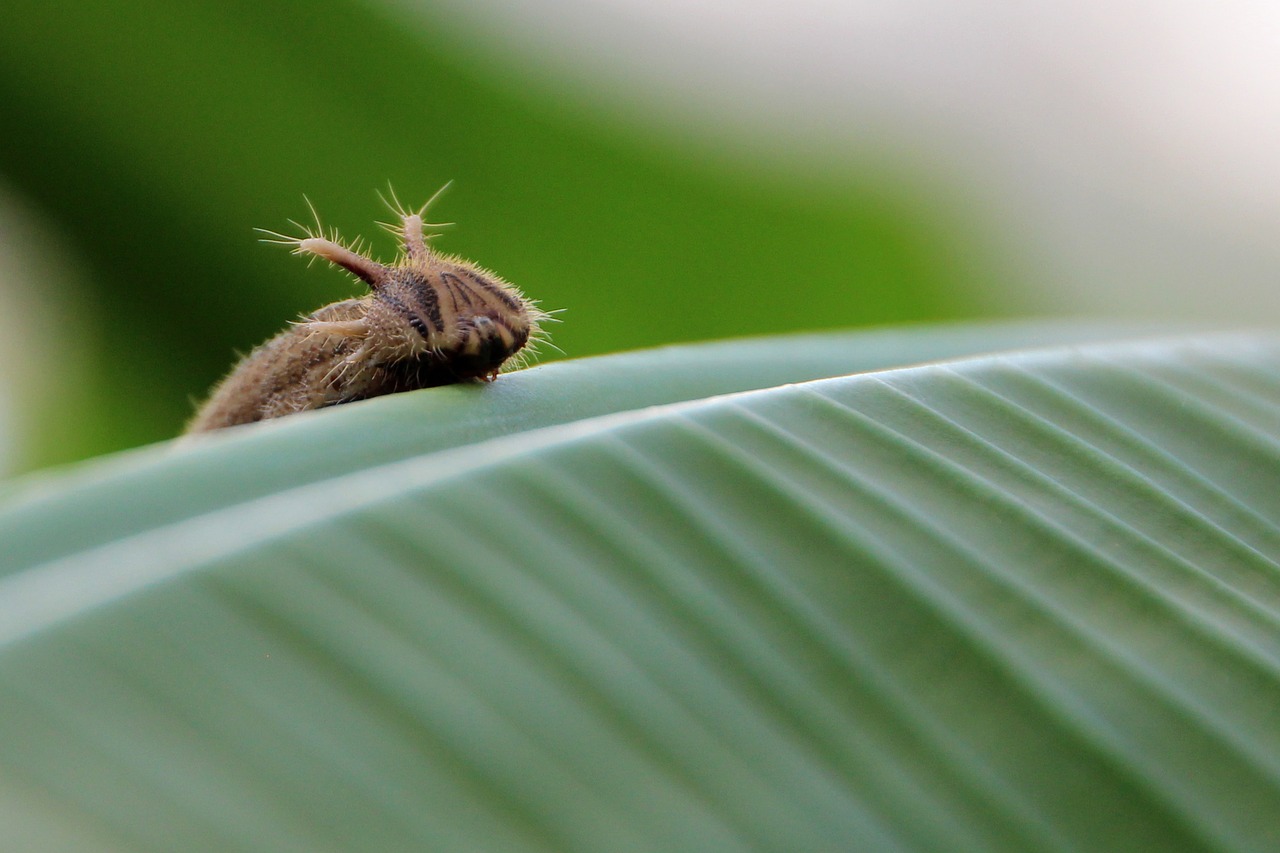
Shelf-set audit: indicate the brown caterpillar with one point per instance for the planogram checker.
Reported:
(430, 319)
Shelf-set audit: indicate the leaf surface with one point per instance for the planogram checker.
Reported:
(134, 491)
(1026, 601)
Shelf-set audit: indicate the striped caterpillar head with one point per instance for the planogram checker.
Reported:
(428, 307)
(448, 308)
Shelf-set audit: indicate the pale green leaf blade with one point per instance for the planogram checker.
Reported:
(134, 491)
(1019, 602)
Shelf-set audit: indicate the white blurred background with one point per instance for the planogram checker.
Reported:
(1125, 150)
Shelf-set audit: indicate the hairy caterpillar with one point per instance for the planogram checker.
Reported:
(429, 319)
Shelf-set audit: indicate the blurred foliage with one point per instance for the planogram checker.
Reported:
(155, 135)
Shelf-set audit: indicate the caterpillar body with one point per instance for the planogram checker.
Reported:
(429, 319)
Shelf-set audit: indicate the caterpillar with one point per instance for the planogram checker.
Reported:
(429, 319)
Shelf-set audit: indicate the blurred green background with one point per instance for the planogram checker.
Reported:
(142, 142)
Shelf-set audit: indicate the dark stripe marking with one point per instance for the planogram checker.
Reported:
(457, 287)
(492, 287)
(419, 326)
(453, 297)
(431, 304)
(411, 316)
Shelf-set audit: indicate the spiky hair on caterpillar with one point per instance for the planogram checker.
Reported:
(429, 319)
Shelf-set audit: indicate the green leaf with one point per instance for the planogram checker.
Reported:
(122, 495)
(1024, 601)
